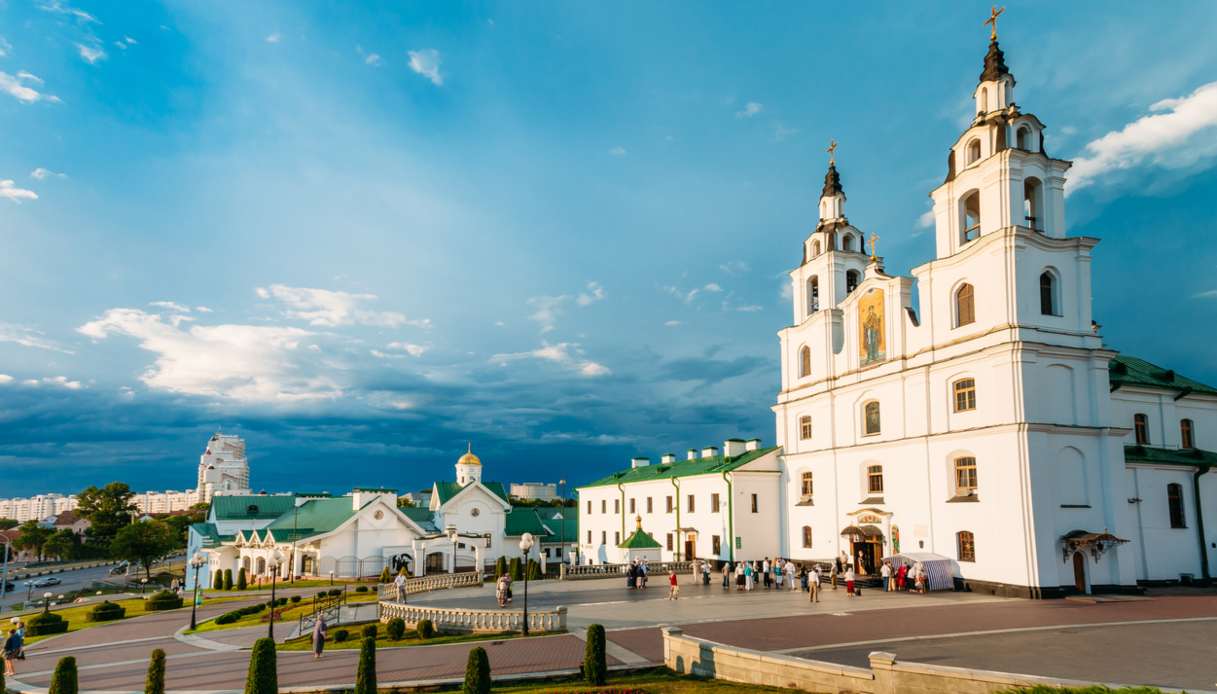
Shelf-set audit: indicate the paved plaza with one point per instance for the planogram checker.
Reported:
(1163, 640)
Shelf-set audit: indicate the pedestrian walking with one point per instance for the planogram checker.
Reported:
(833, 570)
(739, 575)
(673, 586)
(886, 573)
(849, 580)
(12, 649)
(749, 577)
(319, 636)
(726, 575)
(901, 576)
(765, 569)
(813, 584)
(789, 569)
(400, 584)
(705, 572)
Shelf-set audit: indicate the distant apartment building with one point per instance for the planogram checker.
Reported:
(153, 503)
(539, 491)
(37, 507)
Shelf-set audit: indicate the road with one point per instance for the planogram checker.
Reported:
(72, 580)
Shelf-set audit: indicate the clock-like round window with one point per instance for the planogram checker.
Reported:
(379, 514)
(475, 512)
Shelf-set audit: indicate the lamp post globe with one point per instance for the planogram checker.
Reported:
(526, 543)
(46, 601)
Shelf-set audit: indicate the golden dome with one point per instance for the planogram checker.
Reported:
(469, 458)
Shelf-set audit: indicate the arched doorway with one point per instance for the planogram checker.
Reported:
(435, 562)
(1079, 572)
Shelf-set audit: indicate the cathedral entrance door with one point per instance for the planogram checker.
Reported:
(865, 554)
(1079, 572)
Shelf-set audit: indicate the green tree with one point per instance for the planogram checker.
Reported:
(595, 666)
(227, 579)
(63, 680)
(477, 672)
(365, 675)
(6, 523)
(500, 567)
(154, 683)
(143, 542)
(63, 545)
(263, 677)
(242, 581)
(33, 537)
(181, 522)
(108, 509)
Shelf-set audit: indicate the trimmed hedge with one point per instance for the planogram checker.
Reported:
(45, 623)
(230, 617)
(107, 612)
(515, 569)
(334, 592)
(154, 682)
(295, 599)
(595, 666)
(242, 580)
(63, 680)
(368, 630)
(227, 579)
(500, 567)
(217, 581)
(341, 635)
(477, 672)
(361, 589)
(365, 674)
(396, 629)
(263, 678)
(164, 600)
(425, 629)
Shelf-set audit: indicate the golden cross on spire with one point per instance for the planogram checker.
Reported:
(832, 152)
(994, 13)
(874, 245)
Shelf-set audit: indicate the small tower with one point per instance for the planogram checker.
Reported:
(468, 468)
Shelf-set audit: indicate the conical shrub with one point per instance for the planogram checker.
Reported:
(63, 680)
(595, 666)
(477, 672)
(217, 581)
(154, 683)
(242, 582)
(227, 579)
(263, 677)
(365, 676)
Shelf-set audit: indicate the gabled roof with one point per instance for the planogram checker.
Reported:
(1190, 457)
(524, 519)
(313, 517)
(447, 490)
(423, 517)
(681, 468)
(639, 539)
(1125, 370)
(210, 536)
(251, 507)
(562, 523)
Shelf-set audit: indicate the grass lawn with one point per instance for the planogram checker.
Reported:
(288, 613)
(286, 585)
(304, 643)
(77, 616)
(656, 681)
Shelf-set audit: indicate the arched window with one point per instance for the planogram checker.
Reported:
(973, 151)
(813, 295)
(847, 242)
(965, 476)
(1049, 306)
(965, 545)
(965, 306)
(870, 418)
(1140, 425)
(807, 488)
(965, 394)
(804, 361)
(1174, 501)
(852, 280)
(1186, 440)
(982, 103)
(1022, 139)
(804, 427)
(971, 216)
(807, 537)
(874, 479)
(1032, 203)
(815, 248)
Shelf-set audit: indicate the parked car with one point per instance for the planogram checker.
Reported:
(47, 582)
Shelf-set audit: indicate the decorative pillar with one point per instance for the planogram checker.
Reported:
(420, 557)
(477, 560)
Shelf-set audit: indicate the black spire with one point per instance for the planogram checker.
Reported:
(995, 64)
(832, 182)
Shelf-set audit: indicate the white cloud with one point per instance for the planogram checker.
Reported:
(5, 378)
(409, 348)
(62, 382)
(10, 191)
(546, 310)
(273, 37)
(926, 219)
(747, 308)
(618, 151)
(28, 337)
(42, 174)
(5, 47)
(202, 309)
(672, 323)
(593, 293)
(1178, 134)
(750, 109)
(1210, 294)
(566, 354)
(328, 308)
(426, 63)
(18, 87)
(687, 296)
(250, 363)
(373, 59)
(735, 267)
(90, 54)
(781, 133)
(57, 7)
(170, 305)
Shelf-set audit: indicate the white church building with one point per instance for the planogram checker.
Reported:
(970, 411)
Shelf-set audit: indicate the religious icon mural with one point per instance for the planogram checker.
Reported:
(872, 343)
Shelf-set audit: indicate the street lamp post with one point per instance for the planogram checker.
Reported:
(8, 546)
(526, 542)
(196, 563)
(276, 560)
(143, 583)
(46, 602)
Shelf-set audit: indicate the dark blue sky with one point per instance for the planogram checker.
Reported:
(359, 236)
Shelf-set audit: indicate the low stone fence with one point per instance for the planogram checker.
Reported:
(583, 571)
(463, 620)
(701, 658)
(425, 584)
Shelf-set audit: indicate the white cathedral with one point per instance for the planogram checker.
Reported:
(970, 411)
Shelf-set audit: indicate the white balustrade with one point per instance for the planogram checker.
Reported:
(455, 619)
(424, 584)
(582, 571)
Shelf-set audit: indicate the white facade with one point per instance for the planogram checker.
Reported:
(541, 491)
(223, 468)
(37, 507)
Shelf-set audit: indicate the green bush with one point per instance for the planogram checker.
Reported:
(63, 680)
(517, 572)
(242, 580)
(154, 683)
(500, 567)
(425, 629)
(341, 635)
(45, 623)
(263, 678)
(295, 599)
(164, 600)
(217, 581)
(477, 672)
(385, 576)
(106, 612)
(365, 675)
(396, 629)
(595, 667)
(368, 630)
(227, 579)
(1093, 689)
(361, 589)
(334, 592)
(534, 570)
(227, 618)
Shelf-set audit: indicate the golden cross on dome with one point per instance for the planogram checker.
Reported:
(994, 13)
(832, 152)
(874, 245)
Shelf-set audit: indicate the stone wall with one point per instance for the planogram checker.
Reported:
(701, 658)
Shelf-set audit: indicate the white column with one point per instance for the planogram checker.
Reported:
(420, 558)
(477, 559)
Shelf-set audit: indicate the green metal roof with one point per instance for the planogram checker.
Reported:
(639, 539)
(423, 517)
(681, 468)
(524, 519)
(447, 490)
(211, 537)
(251, 507)
(1126, 370)
(563, 523)
(1190, 457)
(313, 517)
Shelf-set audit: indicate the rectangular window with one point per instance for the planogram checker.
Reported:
(691, 504)
(965, 395)
(874, 479)
(616, 505)
(604, 506)
(806, 487)
(716, 545)
(1185, 434)
(965, 545)
(669, 542)
(1174, 502)
(671, 506)
(804, 428)
(589, 507)
(616, 537)
(714, 503)
(603, 537)
(1140, 425)
(755, 503)
(650, 508)
(632, 511)
(965, 476)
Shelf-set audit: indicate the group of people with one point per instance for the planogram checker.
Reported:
(14, 646)
(502, 590)
(777, 574)
(636, 574)
(904, 576)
